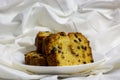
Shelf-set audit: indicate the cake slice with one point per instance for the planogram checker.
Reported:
(65, 50)
(35, 58)
(39, 40)
(80, 48)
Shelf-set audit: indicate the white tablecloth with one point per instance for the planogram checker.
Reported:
(98, 20)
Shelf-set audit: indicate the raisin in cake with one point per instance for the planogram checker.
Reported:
(56, 49)
(39, 40)
(80, 48)
(64, 50)
(34, 58)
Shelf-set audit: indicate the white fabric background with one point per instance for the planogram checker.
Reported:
(98, 20)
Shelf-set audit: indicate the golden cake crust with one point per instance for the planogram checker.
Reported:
(80, 48)
(56, 45)
(60, 49)
(34, 58)
(39, 40)
(72, 49)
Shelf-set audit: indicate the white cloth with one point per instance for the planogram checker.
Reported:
(98, 20)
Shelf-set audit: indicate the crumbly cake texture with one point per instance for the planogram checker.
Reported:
(60, 49)
(65, 50)
(80, 48)
(39, 40)
(35, 58)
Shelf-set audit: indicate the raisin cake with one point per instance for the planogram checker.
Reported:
(60, 49)
(39, 40)
(64, 50)
(35, 58)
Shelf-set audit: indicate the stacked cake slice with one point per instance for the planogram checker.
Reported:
(61, 49)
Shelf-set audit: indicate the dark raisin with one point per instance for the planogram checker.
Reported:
(73, 53)
(76, 55)
(75, 41)
(84, 47)
(62, 34)
(91, 61)
(53, 50)
(60, 47)
(79, 39)
(76, 35)
(79, 60)
(78, 47)
(84, 62)
(59, 51)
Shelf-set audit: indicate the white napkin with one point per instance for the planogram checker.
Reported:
(98, 20)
